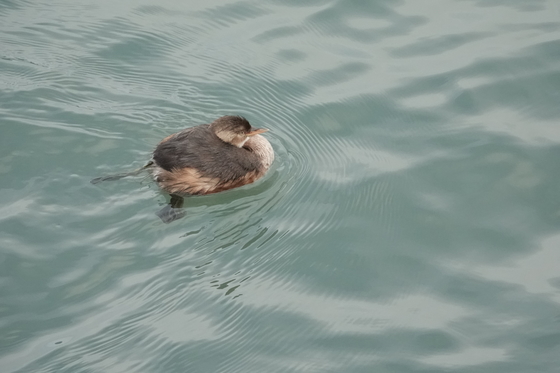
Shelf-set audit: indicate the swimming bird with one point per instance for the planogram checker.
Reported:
(209, 158)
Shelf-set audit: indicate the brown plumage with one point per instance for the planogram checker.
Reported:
(211, 158)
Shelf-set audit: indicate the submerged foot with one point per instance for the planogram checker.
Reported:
(97, 180)
(169, 214)
(173, 211)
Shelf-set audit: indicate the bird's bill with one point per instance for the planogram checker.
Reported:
(257, 131)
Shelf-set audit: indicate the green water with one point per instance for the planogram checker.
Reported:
(410, 222)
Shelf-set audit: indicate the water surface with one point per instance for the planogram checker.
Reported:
(410, 222)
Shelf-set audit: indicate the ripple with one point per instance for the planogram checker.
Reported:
(438, 45)
(225, 15)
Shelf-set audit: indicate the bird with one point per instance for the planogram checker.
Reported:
(211, 158)
(205, 159)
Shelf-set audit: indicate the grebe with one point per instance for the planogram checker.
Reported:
(209, 158)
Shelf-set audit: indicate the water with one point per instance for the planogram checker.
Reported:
(410, 222)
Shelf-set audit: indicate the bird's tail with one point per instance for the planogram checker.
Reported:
(97, 180)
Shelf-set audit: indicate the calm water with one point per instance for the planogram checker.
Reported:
(410, 223)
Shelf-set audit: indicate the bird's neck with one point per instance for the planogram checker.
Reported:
(261, 148)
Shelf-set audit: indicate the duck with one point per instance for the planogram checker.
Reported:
(205, 159)
(211, 158)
